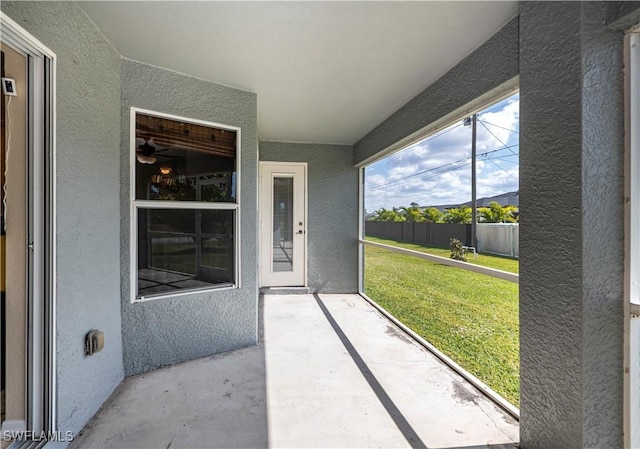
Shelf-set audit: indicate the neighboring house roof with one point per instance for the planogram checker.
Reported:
(504, 199)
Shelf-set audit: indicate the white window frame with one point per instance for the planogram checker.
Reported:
(632, 242)
(135, 205)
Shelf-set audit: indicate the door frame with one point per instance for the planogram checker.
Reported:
(261, 224)
(632, 241)
(41, 394)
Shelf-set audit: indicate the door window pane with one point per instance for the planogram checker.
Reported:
(282, 258)
(184, 249)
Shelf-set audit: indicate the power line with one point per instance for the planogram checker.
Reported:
(498, 126)
(425, 140)
(418, 173)
(431, 175)
(404, 180)
(497, 138)
(501, 168)
(504, 159)
(434, 172)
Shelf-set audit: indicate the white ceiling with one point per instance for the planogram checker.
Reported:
(324, 72)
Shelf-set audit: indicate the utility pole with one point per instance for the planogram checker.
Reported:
(474, 209)
(474, 202)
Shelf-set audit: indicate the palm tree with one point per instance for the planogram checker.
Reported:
(433, 215)
(387, 215)
(412, 213)
(458, 215)
(495, 213)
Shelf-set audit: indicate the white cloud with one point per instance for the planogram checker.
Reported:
(437, 170)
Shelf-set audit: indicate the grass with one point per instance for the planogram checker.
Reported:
(487, 260)
(471, 317)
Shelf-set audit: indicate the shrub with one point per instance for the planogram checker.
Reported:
(457, 250)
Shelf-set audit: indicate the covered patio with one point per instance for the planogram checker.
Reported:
(330, 371)
(310, 94)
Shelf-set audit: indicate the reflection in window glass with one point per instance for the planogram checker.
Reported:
(183, 172)
(181, 161)
(184, 249)
(282, 224)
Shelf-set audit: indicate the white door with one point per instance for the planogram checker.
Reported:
(283, 224)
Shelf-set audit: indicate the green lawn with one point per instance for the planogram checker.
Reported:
(486, 260)
(471, 317)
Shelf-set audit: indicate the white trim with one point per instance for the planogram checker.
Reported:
(631, 299)
(262, 208)
(188, 205)
(42, 412)
(634, 147)
(36, 234)
(133, 216)
(194, 121)
(498, 94)
(136, 204)
(361, 226)
(20, 39)
(52, 421)
(185, 292)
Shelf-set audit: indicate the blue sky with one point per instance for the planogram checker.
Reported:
(437, 170)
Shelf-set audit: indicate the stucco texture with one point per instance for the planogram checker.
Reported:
(332, 230)
(88, 207)
(166, 331)
(572, 236)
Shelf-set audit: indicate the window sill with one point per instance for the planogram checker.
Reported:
(184, 292)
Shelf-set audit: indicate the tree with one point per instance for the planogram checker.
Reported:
(433, 215)
(458, 215)
(387, 215)
(412, 213)
(495, 213)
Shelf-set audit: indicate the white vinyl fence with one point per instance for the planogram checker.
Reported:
(499, 238)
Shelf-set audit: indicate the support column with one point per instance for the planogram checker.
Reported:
(572, 250)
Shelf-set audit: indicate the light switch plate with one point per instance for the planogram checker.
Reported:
(9, 87)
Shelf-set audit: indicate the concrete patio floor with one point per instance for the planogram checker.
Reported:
(330, 372)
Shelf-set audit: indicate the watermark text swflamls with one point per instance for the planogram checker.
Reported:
(29, 435)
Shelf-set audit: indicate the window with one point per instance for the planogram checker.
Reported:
(184, 204)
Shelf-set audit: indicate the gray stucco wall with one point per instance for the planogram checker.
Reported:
(602, 197)
(165, 331)
(88, 206)
(622, 15)
(572, 250)
(551, 255)
(488, 67)
(332, 212)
